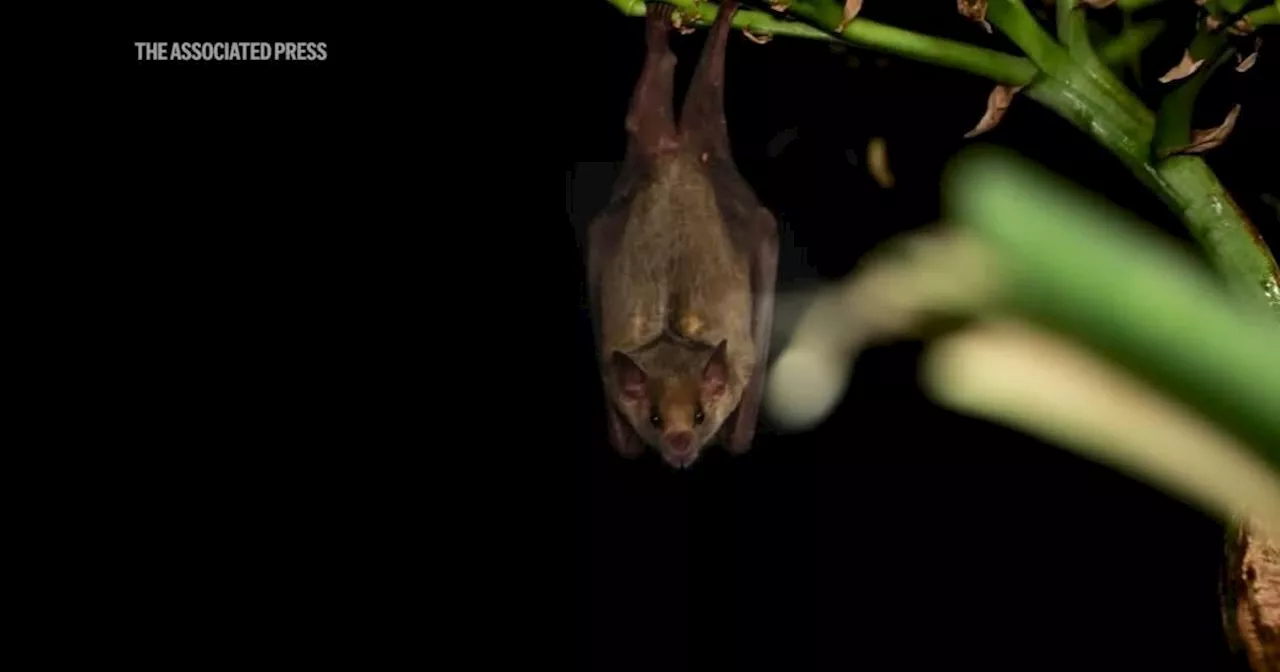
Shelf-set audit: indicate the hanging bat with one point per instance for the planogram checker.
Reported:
(681, 267)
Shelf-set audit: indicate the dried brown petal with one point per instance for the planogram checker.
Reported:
(878, 163)
(851, 9)
(1184, 68)
(1212, 22)
(1206, 139)
(758, 39)
(997, 103)
(1241, 27)
(780, 5)
(974, 10)
(1248, 62)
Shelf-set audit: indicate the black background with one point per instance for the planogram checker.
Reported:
(896, 535)
(342, 424)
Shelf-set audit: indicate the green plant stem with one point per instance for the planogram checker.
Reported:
(1018, 24)
(1230, 240)
(1173, 123)
(1097, 115)
(1131, 42)
(1186, 185)
(1122, 125)
(1207, 44)
(1135, 5)
(1073, 32)
(1267, 16)
(1232, 6)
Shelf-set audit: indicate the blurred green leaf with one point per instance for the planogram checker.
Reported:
(1085, 268)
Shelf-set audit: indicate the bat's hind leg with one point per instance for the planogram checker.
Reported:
(702, 119)
(650, 119)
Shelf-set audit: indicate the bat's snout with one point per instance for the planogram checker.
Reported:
(681, 443)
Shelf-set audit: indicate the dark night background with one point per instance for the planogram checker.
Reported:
(322, 381)
(896, 535)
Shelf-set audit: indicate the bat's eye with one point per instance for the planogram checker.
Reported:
(655, 419)
(698, 417)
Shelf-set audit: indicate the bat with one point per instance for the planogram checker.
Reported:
(681, 267)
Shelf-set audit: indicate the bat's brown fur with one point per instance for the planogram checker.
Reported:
(682, 260)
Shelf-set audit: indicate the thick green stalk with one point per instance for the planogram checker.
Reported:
(1131, 42)
(1018, 24)
(1072, 91)
(1232, 6)
(1173, 123)
(1073, 32)
(1014, 20)
(1232, 243)
(1100, 117)
(1267, 16)
(1185, 183)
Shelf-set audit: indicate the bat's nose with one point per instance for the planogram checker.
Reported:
(680, 442)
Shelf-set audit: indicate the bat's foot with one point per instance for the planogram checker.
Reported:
(649, 118)
(658, 15)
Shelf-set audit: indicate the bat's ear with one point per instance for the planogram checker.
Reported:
(631, 378)
(716, 373)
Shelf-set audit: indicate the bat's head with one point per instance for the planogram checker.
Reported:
(677, 401)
